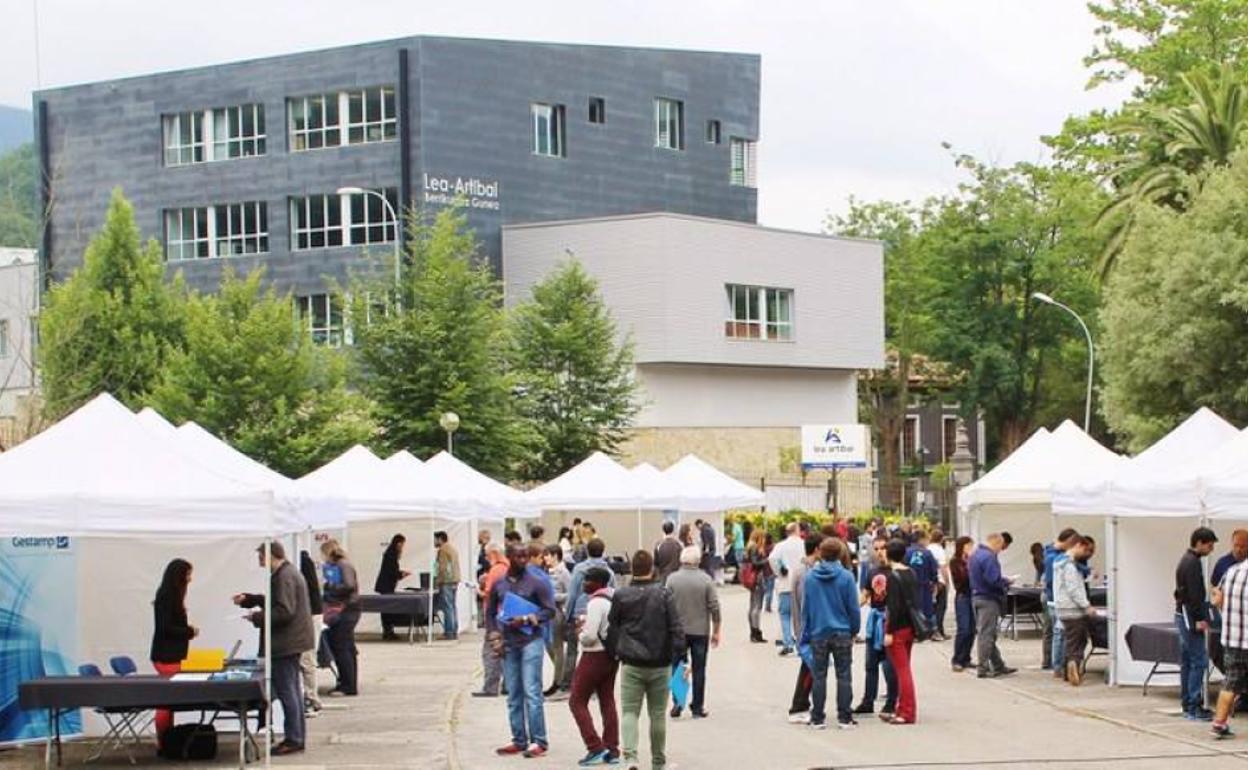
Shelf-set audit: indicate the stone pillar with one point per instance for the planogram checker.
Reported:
(963, 468)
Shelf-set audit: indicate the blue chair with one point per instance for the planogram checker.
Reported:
(124, 725)
(123, 665)
(89, 669)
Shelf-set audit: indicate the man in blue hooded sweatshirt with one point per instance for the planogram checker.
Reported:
(830, 621)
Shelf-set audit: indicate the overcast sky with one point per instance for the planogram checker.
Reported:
(857, 95)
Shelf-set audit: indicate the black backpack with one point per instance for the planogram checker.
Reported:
(189, 742)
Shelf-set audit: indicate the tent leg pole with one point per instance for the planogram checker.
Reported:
(432, 575)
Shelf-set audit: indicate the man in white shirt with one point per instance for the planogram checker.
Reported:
(937, 548)
(784, 559)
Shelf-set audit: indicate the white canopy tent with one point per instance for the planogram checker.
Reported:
(601, 485)
(103, 475)
(1017, 495)
(1146, 537)
(704, 488)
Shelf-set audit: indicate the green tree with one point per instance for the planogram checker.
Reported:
(440, 345)
(1009, 233)
(885, 393)
(576, 376)
(19, 208)
(1176, 313)
(112, 324)
(249, 373)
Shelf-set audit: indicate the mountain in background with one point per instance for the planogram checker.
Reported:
(17, 127)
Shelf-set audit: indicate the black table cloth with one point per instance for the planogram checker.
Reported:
(1154, 642)
(409, 603)
(112, 692)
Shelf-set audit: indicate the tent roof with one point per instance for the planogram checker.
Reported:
(155, 421)
(1027, 477)
(597, 483)
(446, 476)
(404, 459)
(377, 489)
(1151, 483)
(100, 471)
(705, 488)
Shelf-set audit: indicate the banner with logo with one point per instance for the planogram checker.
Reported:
(38, 628)
(834, 446)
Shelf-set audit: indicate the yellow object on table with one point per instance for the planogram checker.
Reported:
(206, 660)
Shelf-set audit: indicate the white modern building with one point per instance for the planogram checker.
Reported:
(743, 333)
(19, 306)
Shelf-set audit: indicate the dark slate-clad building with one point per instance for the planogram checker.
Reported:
(289, 162)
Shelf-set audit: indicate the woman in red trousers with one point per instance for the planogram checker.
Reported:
(899, 631)
(173, 634)
(595, 675)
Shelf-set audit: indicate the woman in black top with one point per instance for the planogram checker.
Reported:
(964, 609)
(172, 634)
(388, 579)
(901, 602)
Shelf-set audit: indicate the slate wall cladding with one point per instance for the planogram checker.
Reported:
(468, 118)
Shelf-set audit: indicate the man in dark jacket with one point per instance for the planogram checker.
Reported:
(293, 633)
(1191, 617)
(644, 632)
(988, 590)
(667, 552)
(307, 661)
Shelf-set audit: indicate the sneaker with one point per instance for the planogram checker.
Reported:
(958, 669)
(779, 642)
(850, 725)
(800, 718)
(675, 712)
(1221, 731)
(284, 748)
(818, 725)
(864, 708)
(1199, 715)
(534, 751)
(595, 758)
(484, 694)
(1007, 671)
(703, 714)
(509, 750)
(886, 715)
(549, 691)
(786, 651)
(1073, 674)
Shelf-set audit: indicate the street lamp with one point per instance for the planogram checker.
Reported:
(450, 423)
(1087, 403)
(394, 217)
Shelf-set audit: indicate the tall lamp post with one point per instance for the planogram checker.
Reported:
(1087, 403)
(450, 423)
(394, 217)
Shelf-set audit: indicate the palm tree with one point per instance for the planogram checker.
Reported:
(1175, 146)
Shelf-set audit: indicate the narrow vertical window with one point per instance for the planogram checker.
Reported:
(548, 130)
(669, 124)
(742, 157)
(597, 109)
(712, 132)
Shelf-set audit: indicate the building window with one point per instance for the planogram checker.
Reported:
(712, 132)
(757, 313)
(371, 116)
(241, 228)
(669, 124)
(910, 440)
(597, 109)
(324, 221)
(949, 438)
(4, 338)
(186, 234)
(184, 138)
(548, 130)
(370, 219)
(743, 156)
(322, 317)
(314, 122)
(224, 230)
(217, 134)
(238, 132)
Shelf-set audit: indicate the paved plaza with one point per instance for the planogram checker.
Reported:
(416, 712)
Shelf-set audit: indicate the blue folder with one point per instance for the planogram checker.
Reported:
(515, 606)
(679, 685)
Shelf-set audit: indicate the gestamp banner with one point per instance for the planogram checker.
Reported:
(38, 627)
(834, 446)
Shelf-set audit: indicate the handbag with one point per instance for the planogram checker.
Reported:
(749, 576)
(331, 611)
(918, 621)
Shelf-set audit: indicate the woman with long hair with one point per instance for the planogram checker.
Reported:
(388, 578)
(341, 614)
(901, 603)
(756, 558)
(172, 634)
(963, 603)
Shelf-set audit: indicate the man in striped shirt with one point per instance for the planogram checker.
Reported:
(1231, 596)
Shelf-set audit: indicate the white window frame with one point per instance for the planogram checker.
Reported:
(323, 132)
(669, 123)
(177, 244)
(236, 239)
(918, 439)
(180, 152)
(383, 127)
(329, 334)
(742, 162)
(549, 124)
(758, 325)
(376, 224)
(230, 142)
(944, 436)
(329, 204)
(376, 220)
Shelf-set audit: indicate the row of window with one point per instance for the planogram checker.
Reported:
(316, 221)
(321, 120)
(909, 438)
(549, 129)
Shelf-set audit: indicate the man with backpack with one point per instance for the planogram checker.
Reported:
(645, 634)
(595, 675)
